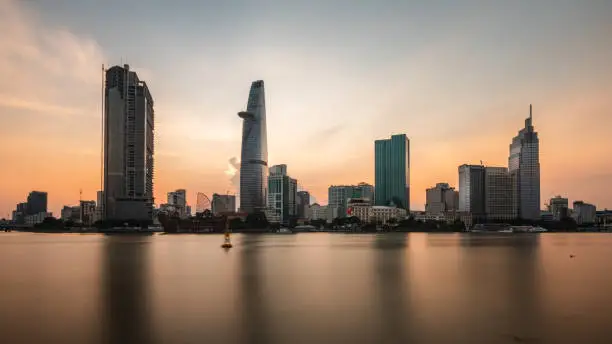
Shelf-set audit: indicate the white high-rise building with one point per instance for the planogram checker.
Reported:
(282, 195)
(524, 168)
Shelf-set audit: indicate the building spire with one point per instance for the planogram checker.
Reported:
(530, 113)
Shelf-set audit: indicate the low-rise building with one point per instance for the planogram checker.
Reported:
(37, 218)
(317, 212)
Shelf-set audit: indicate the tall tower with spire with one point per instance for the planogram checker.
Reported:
(524, 168)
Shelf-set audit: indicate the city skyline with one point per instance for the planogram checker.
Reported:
(50, 106)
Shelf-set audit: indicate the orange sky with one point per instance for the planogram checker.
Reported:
(458, 98)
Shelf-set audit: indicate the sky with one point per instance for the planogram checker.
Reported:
(456, 78)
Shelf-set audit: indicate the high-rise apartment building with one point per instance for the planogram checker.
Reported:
(524, 167)
(282, 195)
(178, 199)
(223, 204)
(87, 212)
(472, 190)
(128, 146)
(498, 194)
(559, 207)
(254, 153)
(441, 199)
(303, 201)
(392, 171)
(37, 202)
(584, 212)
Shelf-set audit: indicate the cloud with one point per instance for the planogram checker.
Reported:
(233, 171)
(50, 97)
(46, 69)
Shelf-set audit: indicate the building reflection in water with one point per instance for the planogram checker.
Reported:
(525, 289)
(392, 292)
(125, 298)
(503, 282)
(252, 306)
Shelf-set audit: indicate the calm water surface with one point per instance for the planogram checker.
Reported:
(306, 288)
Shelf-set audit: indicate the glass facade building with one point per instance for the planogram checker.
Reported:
(282, 195)
(254, 152)
(524, 168)
(392, 171)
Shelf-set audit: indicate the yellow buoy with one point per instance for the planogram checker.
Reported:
(227, 243)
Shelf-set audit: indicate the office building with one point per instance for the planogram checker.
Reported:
(282, 195)
(303, 201)
(472, 190)
(584, 213)
(524, 167)
(441, 199)
(254, 152)
(223, 204)
(37, 202)
(128, 146)
(559, 207)
(99, 206)
(498, 194)
(392, 171)
(338, 196)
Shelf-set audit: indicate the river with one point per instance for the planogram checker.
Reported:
(306, 288)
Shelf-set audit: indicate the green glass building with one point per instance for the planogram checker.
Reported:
(392, 171)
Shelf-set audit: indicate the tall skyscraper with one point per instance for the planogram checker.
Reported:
(128, 146)
(392, 171)
(524, 167)
(254, 153)
(472, 190)
(282, 195)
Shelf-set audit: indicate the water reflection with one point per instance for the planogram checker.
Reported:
(524, 287)
(253, 301)
(392, 291)
(125, 290)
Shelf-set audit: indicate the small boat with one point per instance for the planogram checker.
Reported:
(227, 244)
(284, 230)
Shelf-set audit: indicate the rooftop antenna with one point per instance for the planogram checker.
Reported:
(102, 131)
(529, 111)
